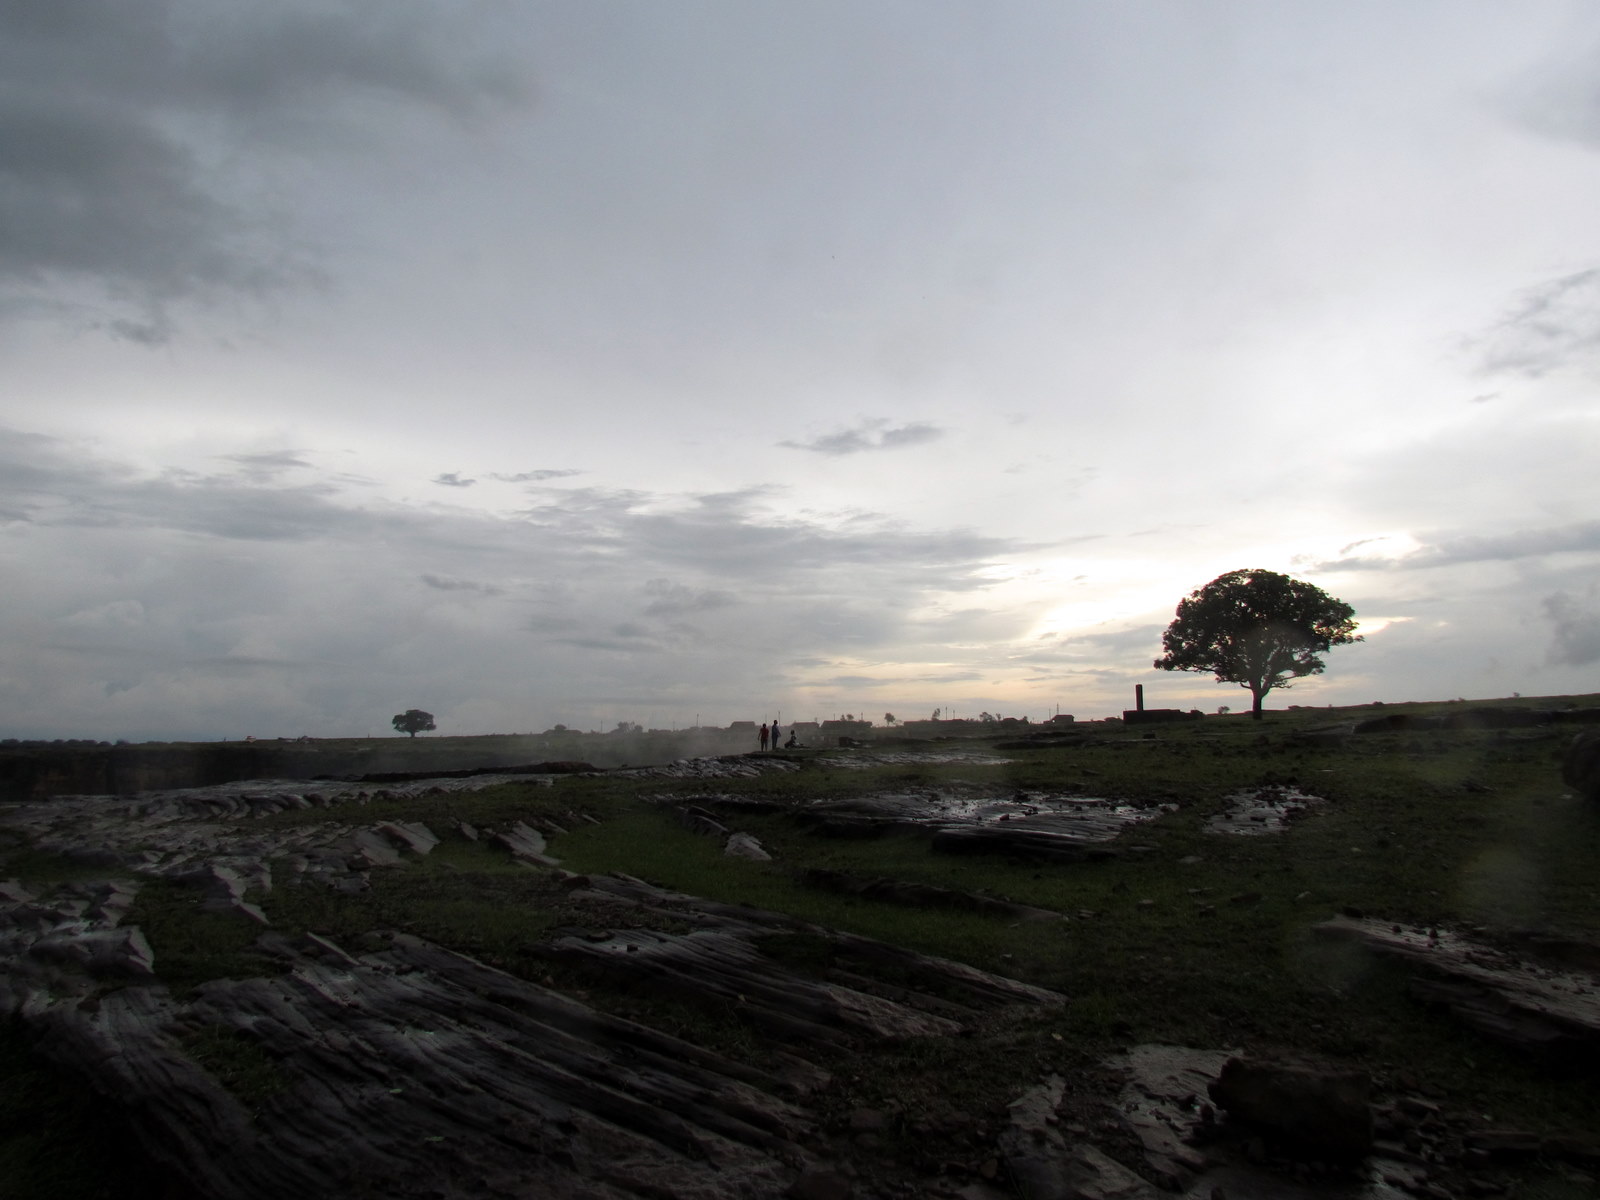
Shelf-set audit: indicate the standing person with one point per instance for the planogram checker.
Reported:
(774, 735)
(763, 735)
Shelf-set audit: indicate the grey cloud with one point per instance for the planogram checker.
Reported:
(1554, 325)
(238, 663)
(673, 599)
(719, 536)
(1561, 98)
(945, 677)
(722, 534)
(446, 584)
(624, 639)
(48, 482)
(536, 476)
(1575, 627)
(289, 58)
(617, 580)
(268, 465)
(453, 479)
(737, 504)
(1582, 536)
(869, 435)
(111, 114)
(545, 623)
(1135, 644)
(155, 330)
(1356, 545)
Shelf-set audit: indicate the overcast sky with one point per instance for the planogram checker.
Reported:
(583, 362)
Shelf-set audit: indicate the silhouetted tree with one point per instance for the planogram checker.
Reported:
(889, 719)
(1258, 629)
(413, 721)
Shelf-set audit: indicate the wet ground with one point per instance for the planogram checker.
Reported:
(1263, 810)
(860, 760)
(1161, 1105)
(1032, 824)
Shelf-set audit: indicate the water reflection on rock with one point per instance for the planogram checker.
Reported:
(1263, 810)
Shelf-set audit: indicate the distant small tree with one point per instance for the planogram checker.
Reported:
(936, 713)
(889, 719)
(413, 721)
(1258, 629)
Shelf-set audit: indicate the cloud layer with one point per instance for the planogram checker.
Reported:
(132, 139)
(550, 362)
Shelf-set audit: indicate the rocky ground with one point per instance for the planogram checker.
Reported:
(398, 1067)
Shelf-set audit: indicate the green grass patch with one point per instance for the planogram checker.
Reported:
(192, 947)
(237, 1061)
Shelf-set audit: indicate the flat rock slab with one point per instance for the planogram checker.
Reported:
(1035, 824)
(1549, 1011)
(724, 968)
(744, 845)
(1160, 1105)
(722, 960)
(1263, 810)
(525, 843)
(183, 829)
(731, 766)
(1046, 1166)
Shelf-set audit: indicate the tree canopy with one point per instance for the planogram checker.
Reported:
(1258, 629)
(413, 721)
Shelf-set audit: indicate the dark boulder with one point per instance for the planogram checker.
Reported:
(1310, 1111)
(1580, 770)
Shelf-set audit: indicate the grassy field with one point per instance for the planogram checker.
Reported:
(1186, 937)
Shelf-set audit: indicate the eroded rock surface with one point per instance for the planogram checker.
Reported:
(1554, 1012)
(413, 1071)
(397, 1067)
(727, 959)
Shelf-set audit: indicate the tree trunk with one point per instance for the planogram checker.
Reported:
(1255, 703)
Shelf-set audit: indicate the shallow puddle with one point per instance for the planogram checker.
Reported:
(1263, 810)
(1035, 818)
